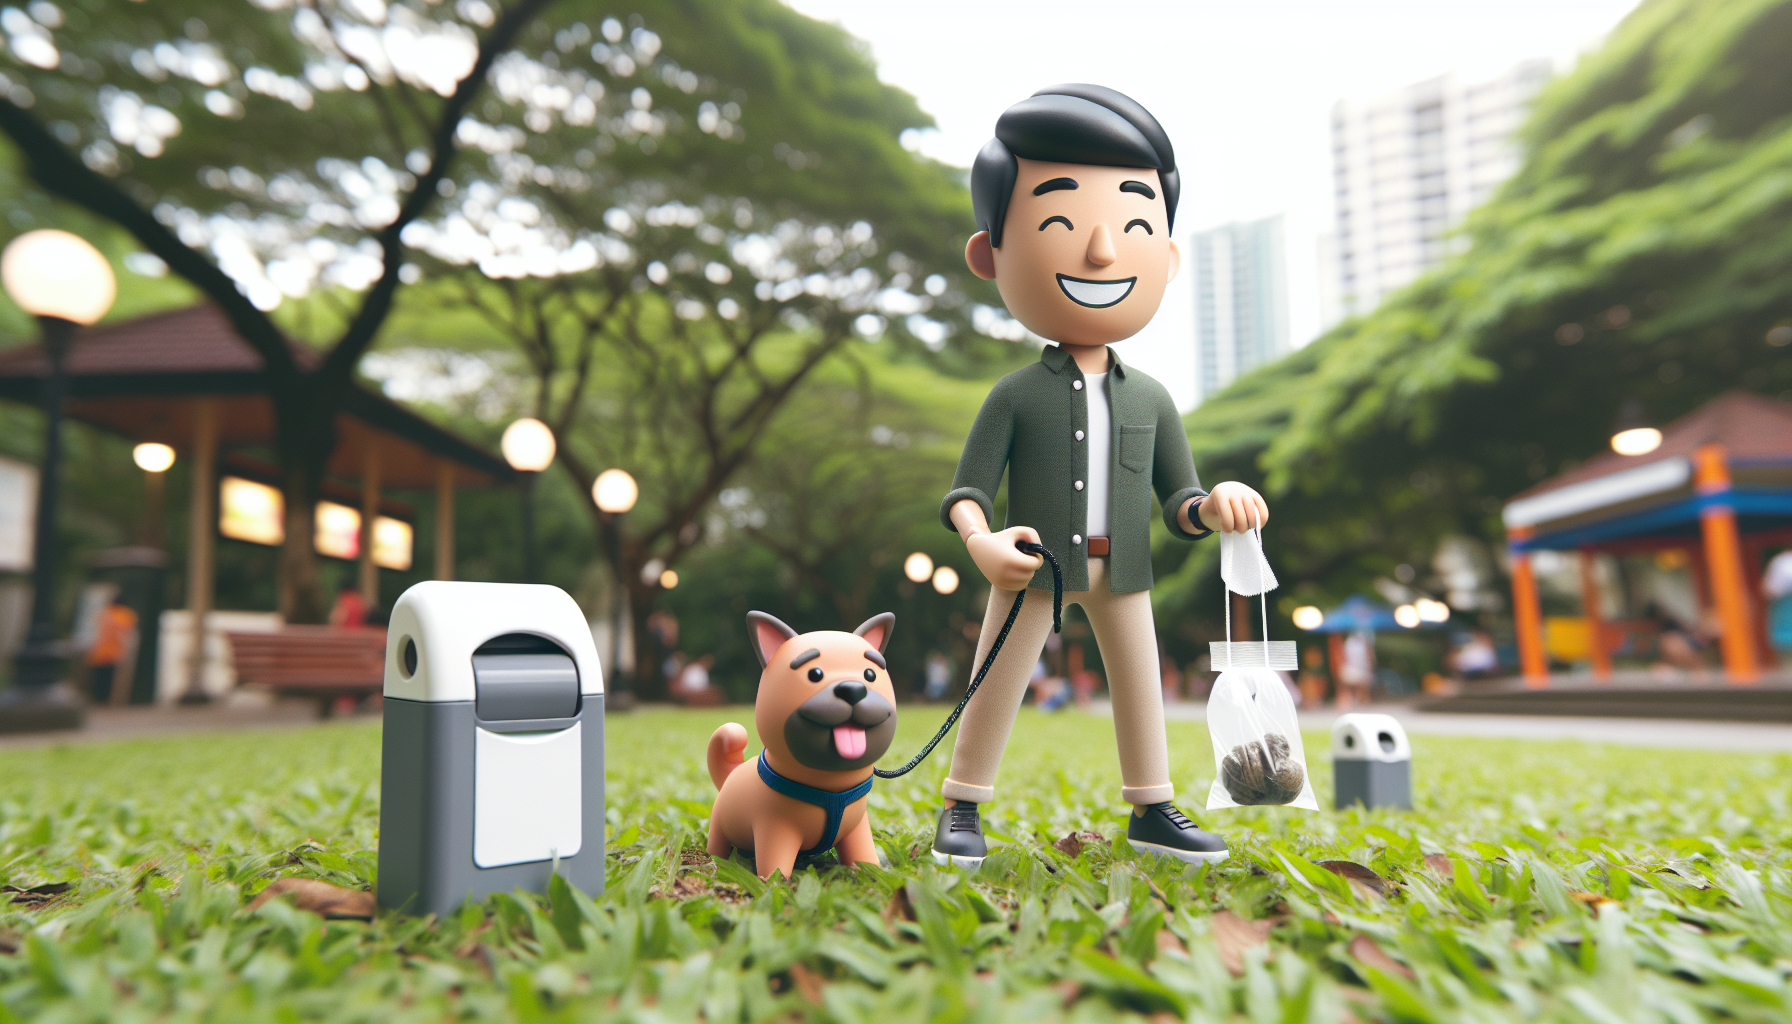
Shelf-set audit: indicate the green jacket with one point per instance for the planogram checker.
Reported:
(1029, 425)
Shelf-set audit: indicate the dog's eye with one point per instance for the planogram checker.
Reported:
(815, 675)
(870, 676)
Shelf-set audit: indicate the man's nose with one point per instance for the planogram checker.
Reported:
(1101, 246)
(850, 691)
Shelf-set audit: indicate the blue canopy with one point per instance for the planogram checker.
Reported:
(1358, 614)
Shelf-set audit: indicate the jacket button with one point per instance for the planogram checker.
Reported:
(1079, 435)
(1076, 385)
(1075, 539)
(1079, 485)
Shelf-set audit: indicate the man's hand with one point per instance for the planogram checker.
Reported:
(1005, 566)
(1233, 508)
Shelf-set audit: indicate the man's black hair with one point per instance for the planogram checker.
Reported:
(1072, 124)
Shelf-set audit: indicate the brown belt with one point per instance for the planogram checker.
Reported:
(1098, 547)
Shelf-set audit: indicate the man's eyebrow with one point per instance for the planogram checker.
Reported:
(806, 657)
(1138, 186)
(877, 659)
(1054, 185)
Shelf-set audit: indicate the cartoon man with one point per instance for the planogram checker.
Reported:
(1075, 197)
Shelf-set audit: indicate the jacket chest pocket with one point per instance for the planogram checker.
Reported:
(1136, 446)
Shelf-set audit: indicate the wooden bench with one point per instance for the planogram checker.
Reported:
(341, 667)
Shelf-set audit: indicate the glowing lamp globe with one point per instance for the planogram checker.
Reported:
(1308, 617)
(1636, 441)
(528, 445)
(153, 458)
(1432, 611)
(56, 274)
(917, 567)
(615, 491)
(945, 579)
(668, 579)
(1407, 616)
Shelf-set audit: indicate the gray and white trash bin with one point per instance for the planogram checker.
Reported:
(1371, 762)
(492, 766)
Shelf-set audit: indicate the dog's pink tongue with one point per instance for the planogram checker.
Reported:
(849, 740)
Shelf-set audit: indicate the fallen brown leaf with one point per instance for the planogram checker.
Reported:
(808, 983)
(899, 907)
(329, 901)
(1362, 879)
(1075, 843)
(1440, 865)
(37, 895)
(685, 887)
(691, 856)
(1068, 991)
(1591, 899)
(1164, 1017)
(10, 942)
(1234, 935)
(1370, 954)
(1168, 942)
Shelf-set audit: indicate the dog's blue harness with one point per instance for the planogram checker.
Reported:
(834, 804)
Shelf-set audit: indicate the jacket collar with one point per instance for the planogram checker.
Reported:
(1056, 357)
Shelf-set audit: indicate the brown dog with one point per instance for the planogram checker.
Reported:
(826, 712)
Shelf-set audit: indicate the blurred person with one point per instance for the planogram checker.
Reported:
(692, 684)
(349, 610)
(1356, 674)
(1475, 657)
(1049, 692)
(108, 661)
(1312, 682)
(939, 676)
(1677, 648)
(1778, 586)
(1172, 677)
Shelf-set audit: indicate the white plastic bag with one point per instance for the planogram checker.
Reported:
(1257, 753)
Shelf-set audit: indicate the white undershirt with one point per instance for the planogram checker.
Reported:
(1101, 452)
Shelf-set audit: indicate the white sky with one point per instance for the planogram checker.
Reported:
(1245, 89)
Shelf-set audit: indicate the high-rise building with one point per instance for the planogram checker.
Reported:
(1241, 300)
(1408, 166)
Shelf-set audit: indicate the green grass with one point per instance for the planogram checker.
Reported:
(1585, 883)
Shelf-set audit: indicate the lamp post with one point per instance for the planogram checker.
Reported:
(529, 447)
(615, 492)
(154, 460)
(64, 282)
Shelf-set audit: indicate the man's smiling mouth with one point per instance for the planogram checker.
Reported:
(1096, 294)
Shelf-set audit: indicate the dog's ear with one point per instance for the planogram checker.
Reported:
(767, 634)
(877, 629)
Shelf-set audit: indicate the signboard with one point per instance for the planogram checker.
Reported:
(391, 543)
(257, 513)
(338, 533)
(251, 511)
(18, 514)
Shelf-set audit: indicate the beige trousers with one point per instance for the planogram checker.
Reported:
(1128, 639)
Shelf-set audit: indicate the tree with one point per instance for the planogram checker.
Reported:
(675, 281)
(261, 152)
(1640, 252)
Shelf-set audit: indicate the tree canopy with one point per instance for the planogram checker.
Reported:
(1640, 252)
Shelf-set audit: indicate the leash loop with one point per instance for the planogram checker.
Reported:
(990, 659)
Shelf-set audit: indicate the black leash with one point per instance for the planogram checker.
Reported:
(990, 659)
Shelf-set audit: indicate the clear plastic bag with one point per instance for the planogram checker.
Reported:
(1257, 753)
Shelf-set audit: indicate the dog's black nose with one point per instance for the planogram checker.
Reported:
(850, 691)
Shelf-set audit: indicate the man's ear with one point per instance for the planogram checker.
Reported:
(980, 256)
(1175, 261)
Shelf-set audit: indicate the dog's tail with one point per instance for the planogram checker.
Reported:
(727, 751)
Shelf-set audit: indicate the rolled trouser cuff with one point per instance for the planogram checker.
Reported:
(1139, 795)
(964, 791)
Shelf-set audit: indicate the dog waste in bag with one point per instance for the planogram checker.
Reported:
(1257, 751)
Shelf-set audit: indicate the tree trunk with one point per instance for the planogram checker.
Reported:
(305, 436)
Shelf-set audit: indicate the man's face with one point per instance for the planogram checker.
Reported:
(1086, 251)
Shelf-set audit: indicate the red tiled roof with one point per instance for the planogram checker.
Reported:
(197, 339)
(1749, 427)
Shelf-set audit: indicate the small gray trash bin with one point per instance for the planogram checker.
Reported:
(1371, 762)
(492, 768)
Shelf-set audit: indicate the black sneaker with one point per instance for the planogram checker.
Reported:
(959, 840)
(1164, 830)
